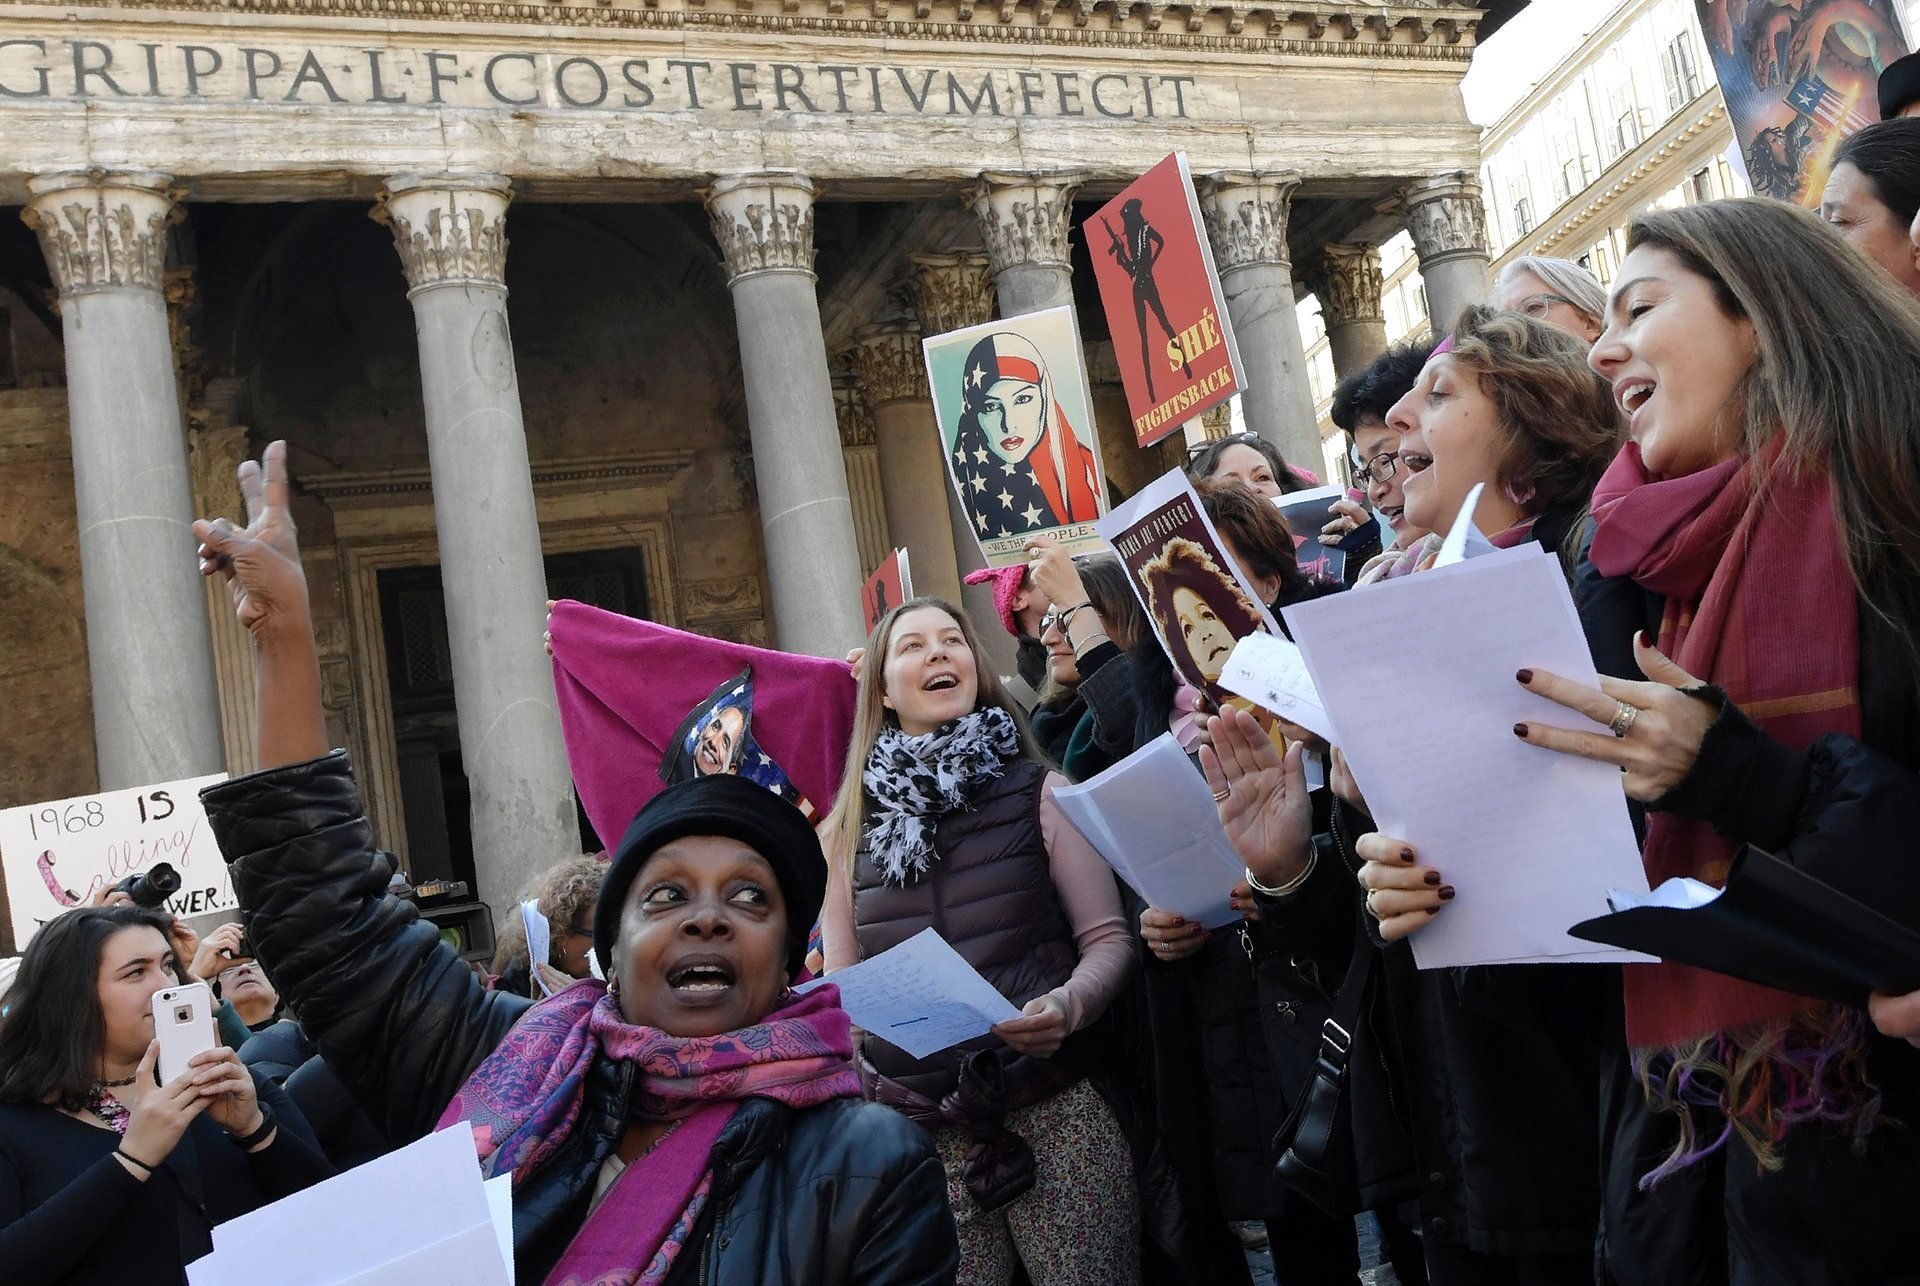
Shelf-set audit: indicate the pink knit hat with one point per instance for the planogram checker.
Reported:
(1007, 581)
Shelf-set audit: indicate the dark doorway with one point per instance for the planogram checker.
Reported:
(434, 798)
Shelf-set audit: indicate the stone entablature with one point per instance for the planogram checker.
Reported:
(297, 101)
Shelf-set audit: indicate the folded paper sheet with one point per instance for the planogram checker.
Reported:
(1154, 820)
(921, 995)
(1532, 840)
(1268, 670)
(326, 1236)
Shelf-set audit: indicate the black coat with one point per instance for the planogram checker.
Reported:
(1843, 809)
(844, 1192)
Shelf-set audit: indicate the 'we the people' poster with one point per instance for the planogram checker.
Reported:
(1016, 425)
(1165, 310)
(55, 855)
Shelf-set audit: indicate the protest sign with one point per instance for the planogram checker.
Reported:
(1196, 597)
(1797, 80)
(1307, 512)
(890, 585)
(1016, 425)
(54, 855)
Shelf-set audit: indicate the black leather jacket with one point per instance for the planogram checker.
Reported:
(846, 1192)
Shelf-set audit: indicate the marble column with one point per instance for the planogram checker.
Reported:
(1246, 217)
(952, 292)
(1349, 289)
(1025, 219)
(764, 224)
(859, 452)
(913, 472)
(450, 231)
(1449, 229)
(156, 710)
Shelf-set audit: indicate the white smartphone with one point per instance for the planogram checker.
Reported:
(183, 1024)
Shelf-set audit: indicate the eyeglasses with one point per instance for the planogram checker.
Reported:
(1538, 306)
(232, 972)
(1199, 449)
(1379, 469)
(1051, 619)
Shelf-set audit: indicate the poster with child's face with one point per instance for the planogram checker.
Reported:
(1016, 425)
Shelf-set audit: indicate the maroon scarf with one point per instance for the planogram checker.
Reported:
(524, 1100)
(1759, 600)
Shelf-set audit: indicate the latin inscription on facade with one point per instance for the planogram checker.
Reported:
(269, 72)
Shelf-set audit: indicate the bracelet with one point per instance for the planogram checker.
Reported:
(1292, 886)
(1086, 644)
(247, 1142)
(133, 1161)
(1064, 619)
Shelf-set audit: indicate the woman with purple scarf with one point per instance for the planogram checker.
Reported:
(691, 1119)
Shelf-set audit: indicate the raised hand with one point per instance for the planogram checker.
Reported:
(223, 1083)
(1262, 798)
(158, 1114)
(261, 561)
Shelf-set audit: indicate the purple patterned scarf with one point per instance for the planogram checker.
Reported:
(524, 1100)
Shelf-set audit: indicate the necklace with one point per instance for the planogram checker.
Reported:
(120, 1085)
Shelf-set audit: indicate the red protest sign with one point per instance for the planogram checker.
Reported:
(1162, 297)
(890, 585)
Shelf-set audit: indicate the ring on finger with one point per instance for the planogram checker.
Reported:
(1222, 793)
(1623, 717)
(1371, 909)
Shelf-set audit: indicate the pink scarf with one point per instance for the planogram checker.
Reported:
(524, 1100)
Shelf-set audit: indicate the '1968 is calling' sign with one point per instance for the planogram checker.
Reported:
(55, 854)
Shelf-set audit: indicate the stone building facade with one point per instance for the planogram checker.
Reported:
(611, 299)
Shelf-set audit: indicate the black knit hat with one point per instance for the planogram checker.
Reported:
(1899, 85)
(737, 809)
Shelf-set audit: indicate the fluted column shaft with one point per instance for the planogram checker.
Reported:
(764, 224)
(1246, 216)
(450, 232)
(1449, 229)
(913, 471)
(1350, 305)
(156, 711)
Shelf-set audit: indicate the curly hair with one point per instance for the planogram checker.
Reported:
(566, 892)
(1186, 564)
(1559, 418)
(1370, 392)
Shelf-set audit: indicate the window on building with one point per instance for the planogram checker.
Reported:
(1626, 131)
(1573, 176)
(1681, 71)
(1523, 215)
(1700, 185)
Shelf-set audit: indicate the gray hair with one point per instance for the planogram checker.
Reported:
(1567, 279)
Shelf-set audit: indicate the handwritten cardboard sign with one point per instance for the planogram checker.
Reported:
(56, 854)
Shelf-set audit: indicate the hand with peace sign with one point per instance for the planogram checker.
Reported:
(261, 561)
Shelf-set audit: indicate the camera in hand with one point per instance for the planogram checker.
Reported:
(151, 888)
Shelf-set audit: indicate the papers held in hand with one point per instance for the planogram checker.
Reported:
(921, 995)
(1154, 820)
(455, 1227)
(1773, 924)
(1532, 840)
(1269, 671)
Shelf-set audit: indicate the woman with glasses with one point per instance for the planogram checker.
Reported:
(1360, 406)
(1085, 716)
(1558, 292)
(1472, 1091)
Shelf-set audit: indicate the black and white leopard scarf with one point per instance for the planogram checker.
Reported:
(912, 781)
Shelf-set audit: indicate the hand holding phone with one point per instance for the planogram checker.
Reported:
(183, 1024)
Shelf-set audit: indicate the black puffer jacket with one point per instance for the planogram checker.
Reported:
(846, 1192)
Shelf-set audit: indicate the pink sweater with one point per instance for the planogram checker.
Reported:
(1087, 892)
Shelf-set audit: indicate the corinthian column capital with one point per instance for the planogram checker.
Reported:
(888, 361)
(951, 292)
(1352, 284)
(450, 229)
(1025, 218)
(1246, 216)
(1444, 216)
(100, 230)
(763, 222)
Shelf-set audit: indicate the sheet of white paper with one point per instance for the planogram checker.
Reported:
(499, 1190)
(207, 1271)
(298, 1241)
(1267, 669)
(469, 1258)
(539, 942)
(921, 995)
(1464, 540)
(1682, 892)
(1154, 820)
(1532, 840)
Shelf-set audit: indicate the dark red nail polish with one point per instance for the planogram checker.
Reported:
(1446, 892)
(1406, 855)
(1520, 731)
(1525, 676)
(1433, 879)
(1433, 910)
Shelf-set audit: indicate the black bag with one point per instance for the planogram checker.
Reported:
(1316, 1142)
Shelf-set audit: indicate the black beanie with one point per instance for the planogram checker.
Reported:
(1899, 85)
(737, 809)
